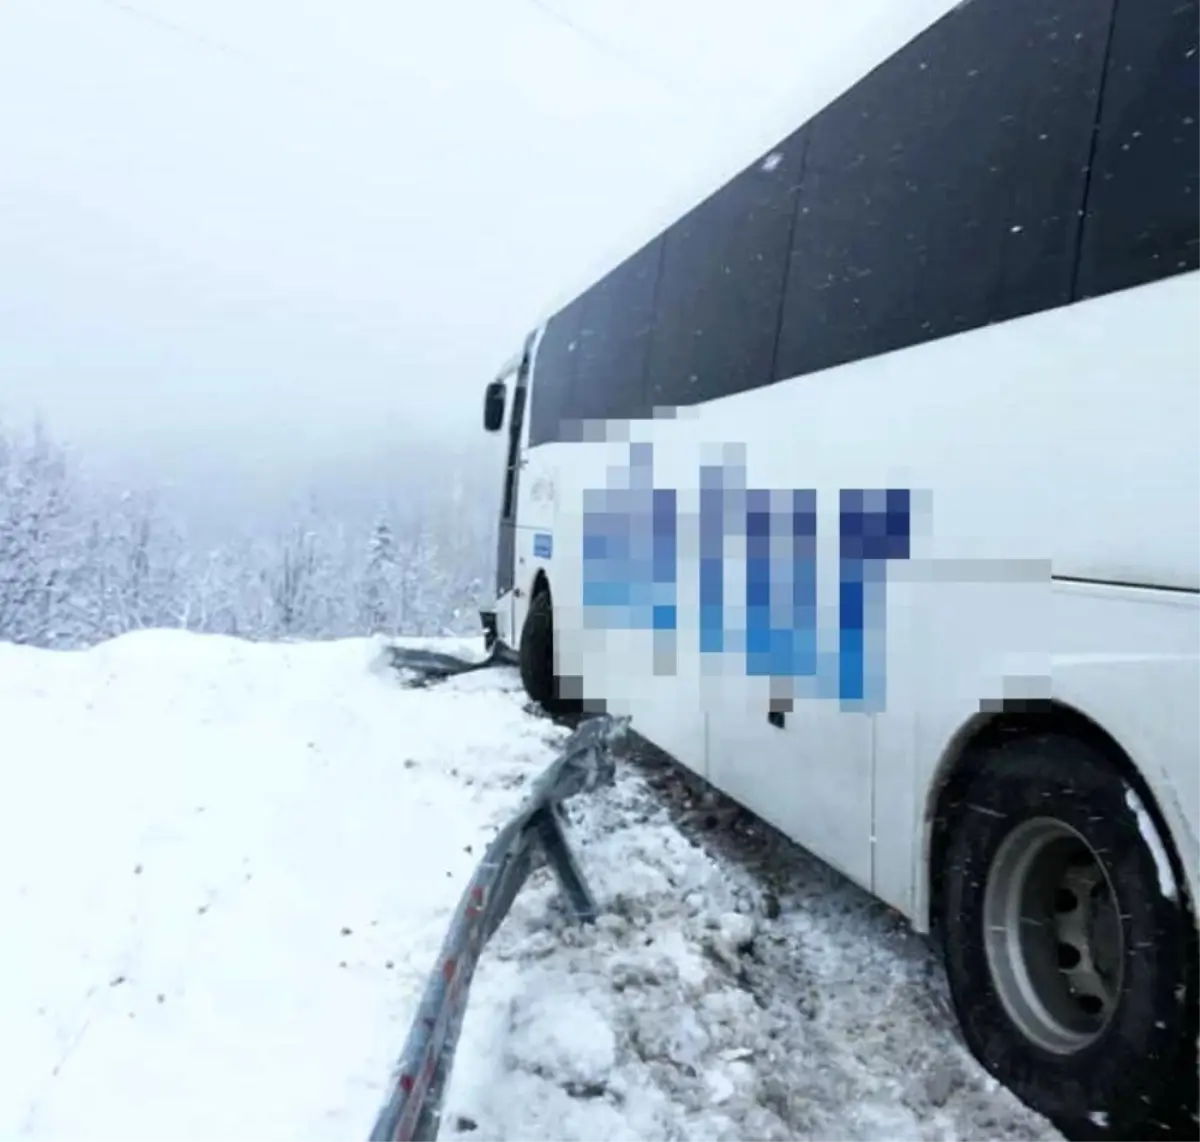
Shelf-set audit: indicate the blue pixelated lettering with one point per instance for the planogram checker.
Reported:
(630, 569)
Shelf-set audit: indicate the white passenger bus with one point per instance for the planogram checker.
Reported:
(870, 487)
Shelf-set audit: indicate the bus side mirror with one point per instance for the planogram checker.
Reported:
(493, 407)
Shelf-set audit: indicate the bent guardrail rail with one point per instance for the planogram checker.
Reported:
(434, 665)
(412, 1112)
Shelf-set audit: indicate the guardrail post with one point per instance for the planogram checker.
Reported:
(561, 859)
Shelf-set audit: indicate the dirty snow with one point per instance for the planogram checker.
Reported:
(692, 1011)
(226, 868)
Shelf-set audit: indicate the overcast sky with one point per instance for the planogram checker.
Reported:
(290, 228)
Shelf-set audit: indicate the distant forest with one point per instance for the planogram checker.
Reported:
(80, 563)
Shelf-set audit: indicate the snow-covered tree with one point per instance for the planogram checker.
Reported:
(378, 588)
(33, 539)
(79, 563)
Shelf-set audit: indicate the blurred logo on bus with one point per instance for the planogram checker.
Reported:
(631, 566)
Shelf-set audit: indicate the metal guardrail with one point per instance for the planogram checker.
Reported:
(428, 666)
(413, 1109)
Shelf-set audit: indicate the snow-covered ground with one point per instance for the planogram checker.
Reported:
(226, 868)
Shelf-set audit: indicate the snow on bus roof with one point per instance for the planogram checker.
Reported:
(872, 45)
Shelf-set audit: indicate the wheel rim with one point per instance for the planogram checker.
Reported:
(1052, 931)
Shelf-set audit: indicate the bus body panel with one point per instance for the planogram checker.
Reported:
(897, 432)
(619, 667)
(1006, 435)
(1121, 657)
(1048, 455)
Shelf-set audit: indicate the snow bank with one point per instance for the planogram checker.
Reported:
(225, 869)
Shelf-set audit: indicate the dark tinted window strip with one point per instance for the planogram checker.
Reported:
(1130, 233)
(722, 280)
(941, 193)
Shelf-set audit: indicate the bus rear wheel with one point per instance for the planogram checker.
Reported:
(1070, 950)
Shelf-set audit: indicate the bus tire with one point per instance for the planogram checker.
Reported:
(536, 655)
(1070, 949)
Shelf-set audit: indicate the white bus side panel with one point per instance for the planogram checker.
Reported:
(652, 676)
(1072, 436)
(1127, 658)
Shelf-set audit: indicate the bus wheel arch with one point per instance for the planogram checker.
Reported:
(996, 771)
(1018, 718)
